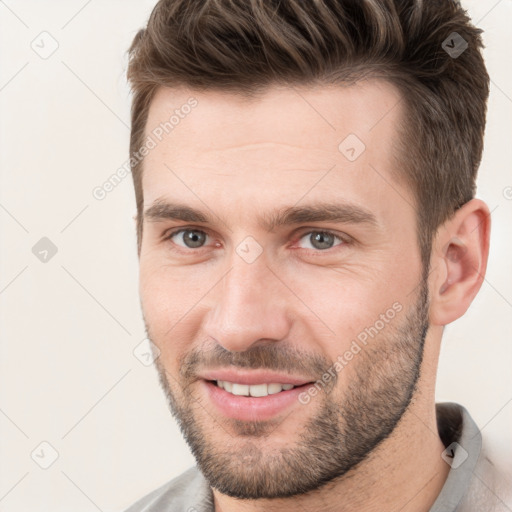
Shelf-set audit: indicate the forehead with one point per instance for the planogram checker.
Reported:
(280, 114)
(285, 143)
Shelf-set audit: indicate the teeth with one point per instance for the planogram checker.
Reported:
(256, 390)
(240, 389)
(274, 388)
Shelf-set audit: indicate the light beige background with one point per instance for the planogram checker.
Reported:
(68, 375)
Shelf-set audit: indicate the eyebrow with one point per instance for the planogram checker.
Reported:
(346, 213)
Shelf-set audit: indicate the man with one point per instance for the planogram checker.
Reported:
(304, 173)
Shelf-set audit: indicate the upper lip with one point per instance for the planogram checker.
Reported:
(253, 377)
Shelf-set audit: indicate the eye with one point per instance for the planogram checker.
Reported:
(188, 238)
(316, 241)
(321, 240)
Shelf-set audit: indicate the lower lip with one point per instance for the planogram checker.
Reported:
(247, 408)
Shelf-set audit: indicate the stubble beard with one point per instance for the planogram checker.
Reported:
(240, 459)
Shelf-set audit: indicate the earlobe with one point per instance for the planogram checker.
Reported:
(461, 250)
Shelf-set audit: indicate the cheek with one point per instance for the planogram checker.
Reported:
(171, 300)
(156, 300)
(168, 291)
(339, 305)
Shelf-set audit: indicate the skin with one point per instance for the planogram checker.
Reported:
(237, 160)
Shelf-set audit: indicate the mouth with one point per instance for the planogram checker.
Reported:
(253, 402)
(254, 390)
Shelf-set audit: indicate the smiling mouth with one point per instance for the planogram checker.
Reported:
(254, 390)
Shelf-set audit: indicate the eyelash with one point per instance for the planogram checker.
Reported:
(345, 240)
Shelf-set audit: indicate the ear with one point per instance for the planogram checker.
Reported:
(459, 261)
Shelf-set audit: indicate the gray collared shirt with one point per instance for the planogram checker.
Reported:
(472, 485)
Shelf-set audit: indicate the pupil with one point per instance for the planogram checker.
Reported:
(194, 239)
(321, 240)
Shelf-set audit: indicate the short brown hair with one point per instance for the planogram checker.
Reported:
(245, 46)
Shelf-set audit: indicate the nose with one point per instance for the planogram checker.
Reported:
(250, 307)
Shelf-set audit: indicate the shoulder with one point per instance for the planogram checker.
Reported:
(491, 484)
(483, 470)
(188, 492)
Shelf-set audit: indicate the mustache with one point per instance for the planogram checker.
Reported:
(275, 357)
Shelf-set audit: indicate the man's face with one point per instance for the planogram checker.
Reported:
(263, 287)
